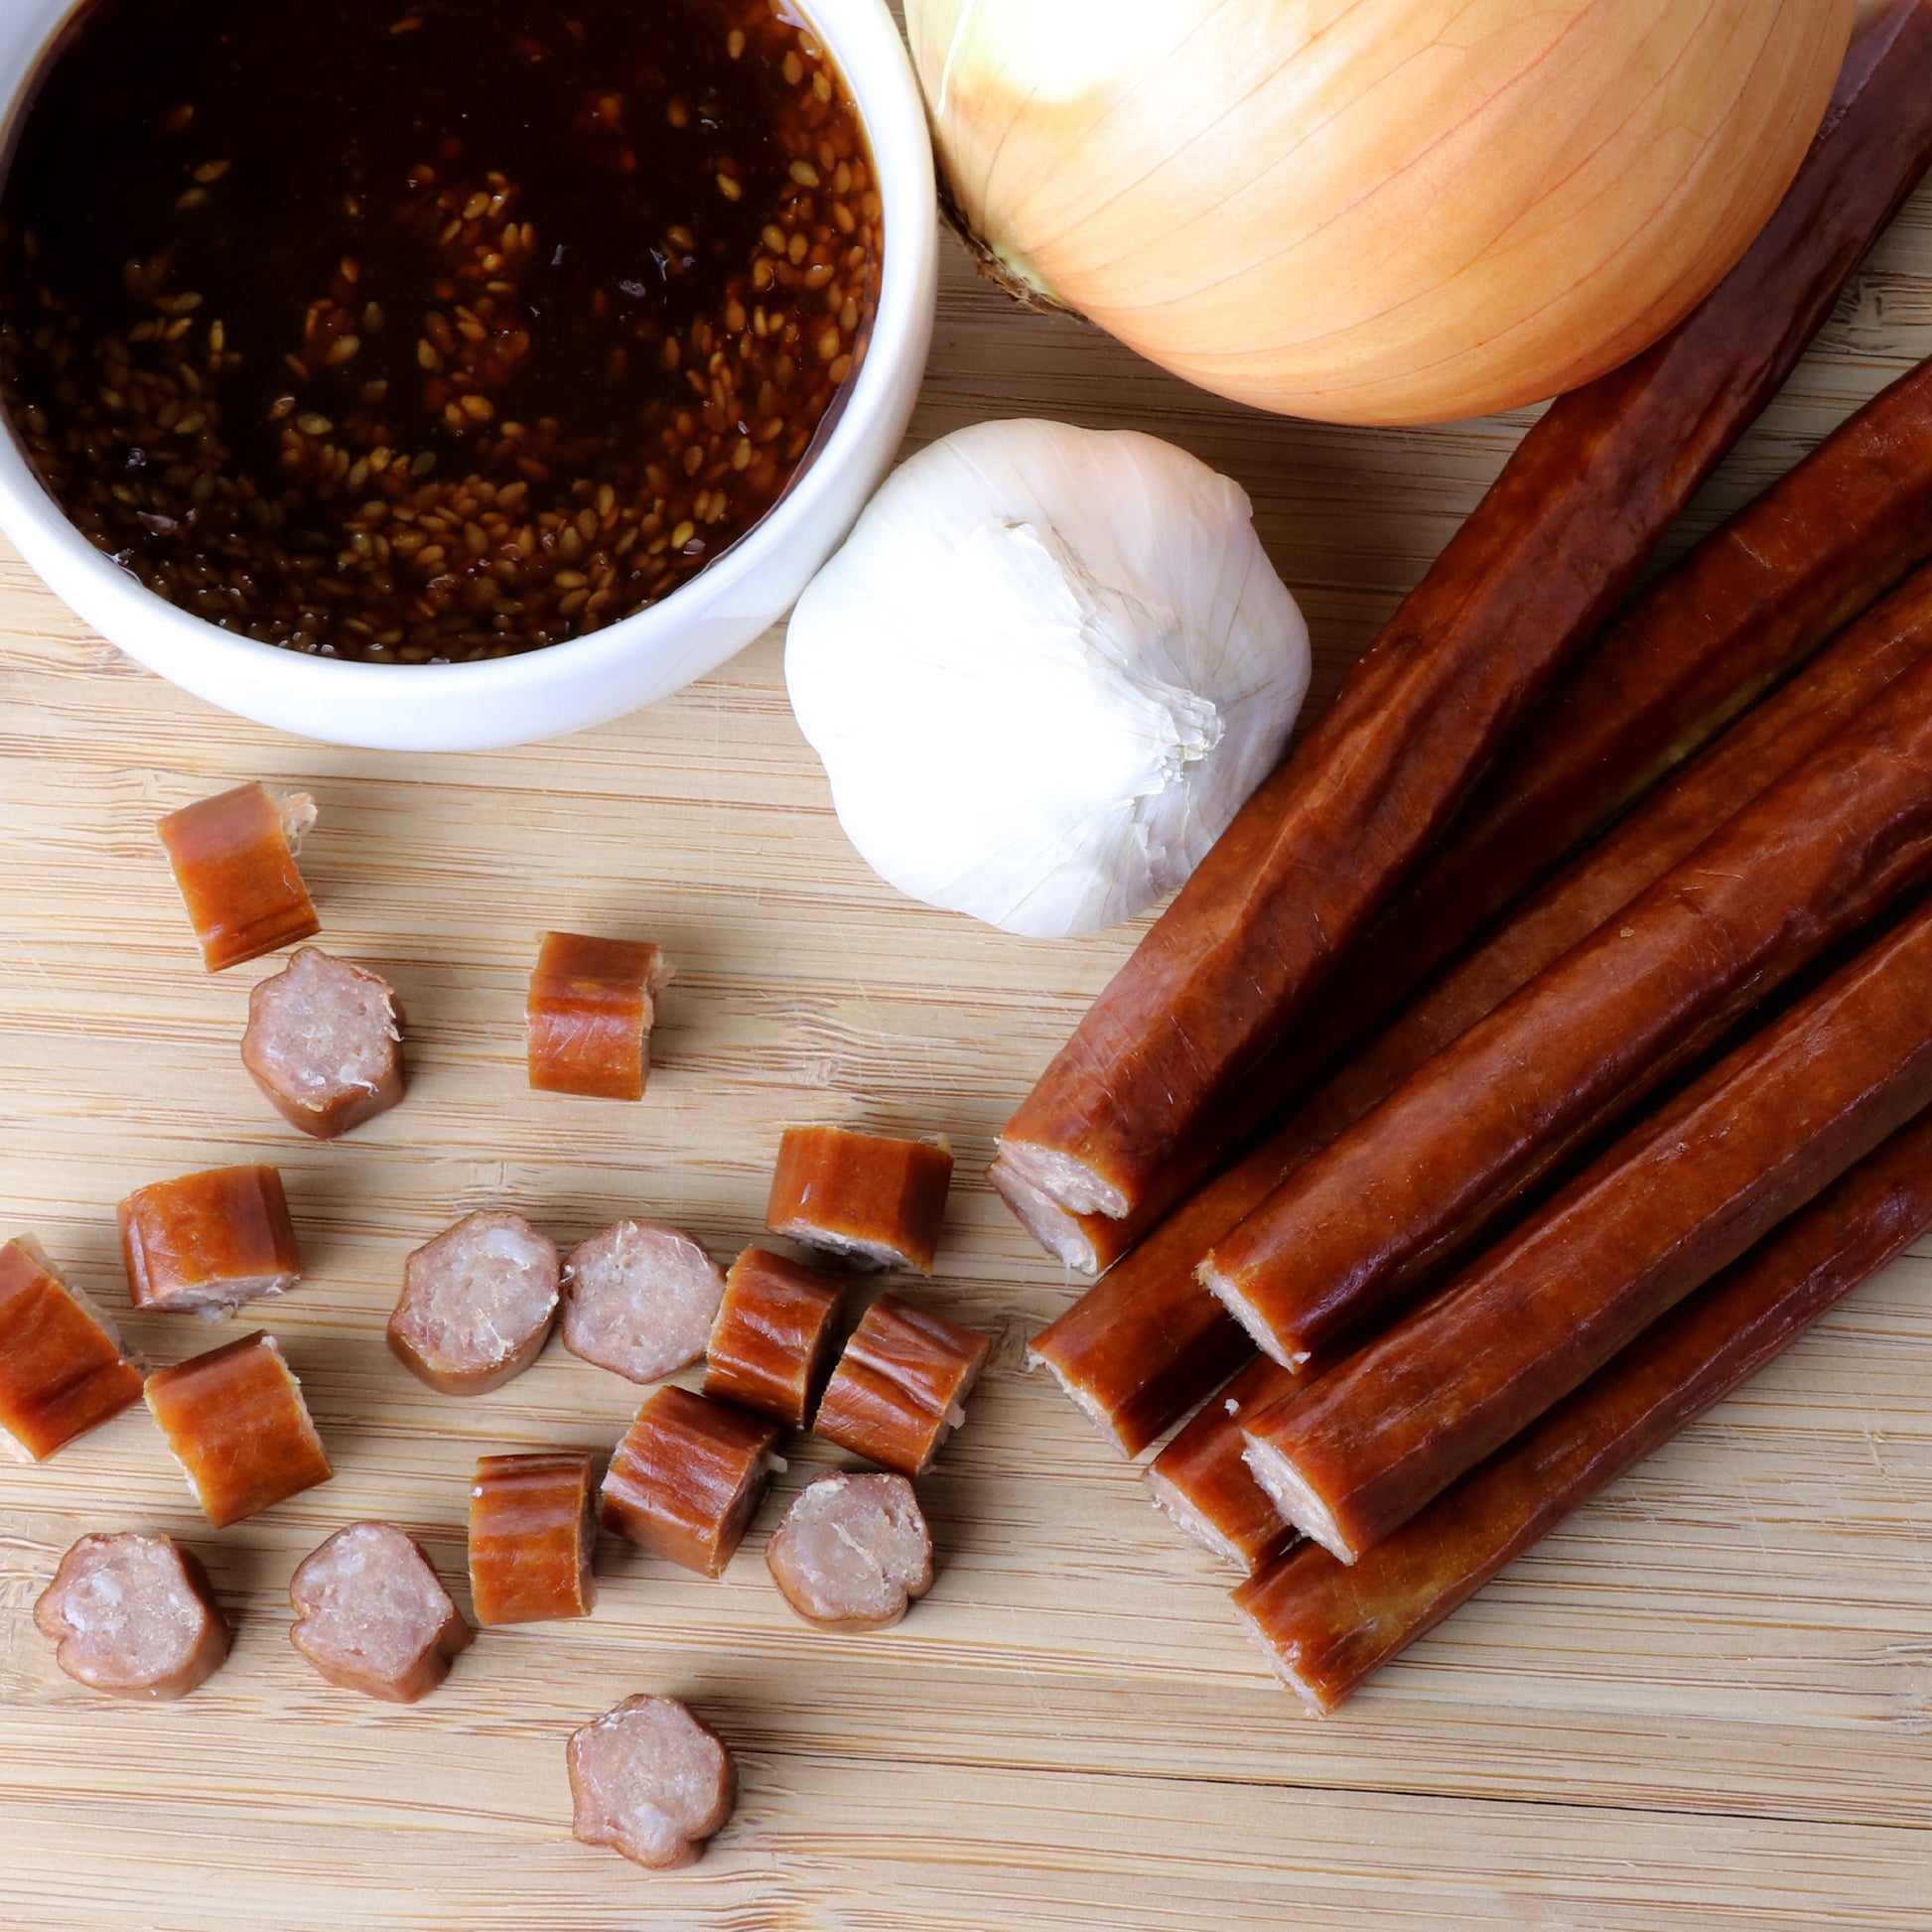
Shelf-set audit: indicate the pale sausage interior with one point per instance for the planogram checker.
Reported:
(125, 1614)
(322, 1029)
(476, 1295)
(368, 1600)
(649, 1780)
(853, 1551)
(640, 1301)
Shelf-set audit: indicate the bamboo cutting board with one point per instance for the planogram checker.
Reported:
(1708, 1703)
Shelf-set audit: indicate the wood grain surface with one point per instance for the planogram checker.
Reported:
(1708, 1703)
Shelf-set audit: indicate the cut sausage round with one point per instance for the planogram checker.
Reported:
(650, 1780)
(533, 1537)
(592, 1006)
(873, 1200)
(325, 1044)
(687, 1476)
(476, 1304)
(772, 1346)
(852, 1552)
(233, 857)
(641, 1299)
(374, 1616)
(63, 1367)
(208, 1242)
(133, 1616)
(898, 1389)
(236, 1421)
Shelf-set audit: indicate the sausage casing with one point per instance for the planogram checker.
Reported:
(1536, 569)
(870, 1199)
(323, 1043)
(773, 1343)
(686, 1477)
(208, 1242)
(1805, 862)
(1327, 1626)
(899, 1387)
(133, 1616)
(1148, 1342)
(1682, 1195)
(533, 1537)
(592, 1006)
(236, 1423)
(63, 1370)
(373, 1615)
(233, 857)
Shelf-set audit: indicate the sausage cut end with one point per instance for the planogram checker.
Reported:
(853, 1552)
(374, 1616)
(641, 1299)
(652, 1781)
(323, 1043)
(476, 1304)
(133, 1616)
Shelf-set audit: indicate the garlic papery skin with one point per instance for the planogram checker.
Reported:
(1045, 671)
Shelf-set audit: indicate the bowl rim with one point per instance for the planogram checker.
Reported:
(864, 41)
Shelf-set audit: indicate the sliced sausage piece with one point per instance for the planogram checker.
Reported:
(773, 1343)
(1683, 1194)
(1232, 964)
(373, 1616)
(686, 1477)
(592, 1006)
(325, 1044)
(1327, 1627)
(233, 857)
(852, 1552)
(533, 1537)
(477, 1305)
(641, 1299)
(133, 1616)
(63, 1370)
(898, 1389)
(209, 1242)
(650, 1780)
(872, 1201)
(236, 1423)
(1201, 1482)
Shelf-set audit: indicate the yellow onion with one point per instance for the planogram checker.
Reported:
(1374, 211)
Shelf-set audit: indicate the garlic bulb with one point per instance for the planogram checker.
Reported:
(1045, 671)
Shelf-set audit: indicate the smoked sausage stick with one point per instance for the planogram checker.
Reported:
(1148, 1342)
(1683, 1194)
(1327, 1626)
(1804, 865)
(1203, 1483)
(1754, 599)
(1535, 570)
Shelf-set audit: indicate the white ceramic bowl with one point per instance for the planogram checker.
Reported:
(513, 700)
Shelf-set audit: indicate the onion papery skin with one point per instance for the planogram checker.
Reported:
(1375, 210)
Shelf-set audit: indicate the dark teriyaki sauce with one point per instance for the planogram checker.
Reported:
(427, 332)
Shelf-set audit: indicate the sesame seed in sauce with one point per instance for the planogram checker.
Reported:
(470, 394)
